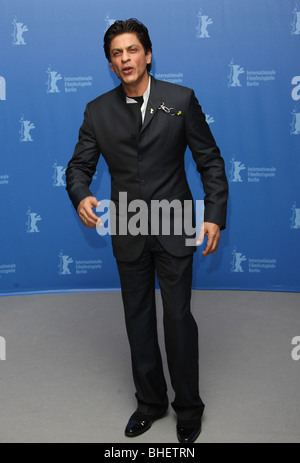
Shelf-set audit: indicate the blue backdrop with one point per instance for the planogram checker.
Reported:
(242, 59)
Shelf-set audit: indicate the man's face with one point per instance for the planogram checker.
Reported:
(128, 59)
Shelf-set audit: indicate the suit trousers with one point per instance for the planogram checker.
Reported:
(180, 329)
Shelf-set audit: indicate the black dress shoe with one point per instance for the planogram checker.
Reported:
(140, 423)
(188, 434)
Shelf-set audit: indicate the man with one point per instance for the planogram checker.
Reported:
(142, 129)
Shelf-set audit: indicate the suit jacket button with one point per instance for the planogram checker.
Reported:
(143, 182)
(140, 158)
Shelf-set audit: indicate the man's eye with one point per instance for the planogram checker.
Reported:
(133, 50)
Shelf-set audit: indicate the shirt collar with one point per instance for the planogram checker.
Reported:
(146, 96)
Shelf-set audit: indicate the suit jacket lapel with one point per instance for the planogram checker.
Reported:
(153, 104)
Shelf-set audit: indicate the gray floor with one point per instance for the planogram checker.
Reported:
(67, 374)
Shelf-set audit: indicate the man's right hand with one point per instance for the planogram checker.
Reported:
(86, 214)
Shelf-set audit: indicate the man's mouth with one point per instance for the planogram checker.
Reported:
(127, 70)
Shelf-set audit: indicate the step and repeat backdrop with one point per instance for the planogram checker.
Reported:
(242, 59)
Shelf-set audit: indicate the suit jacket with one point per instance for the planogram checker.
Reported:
(148, 163)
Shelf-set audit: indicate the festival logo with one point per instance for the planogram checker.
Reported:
(253, 174)
(209, 119)
(254, 265)
(237, 260)
(71, 84)
(32, 221)
(26, 127)
(7, 269)
(4, 179)
(296, 22)
(82, 266)
(53, 79)
(109, 22)
(254, 78)
(295, 219)
(234, 77)
(203, 23)
(171, 77)
(19, 30)
(2, 89)
(64, 263)
(58, 177)
(236, 168)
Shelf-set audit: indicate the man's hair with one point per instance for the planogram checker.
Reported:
(131, 26)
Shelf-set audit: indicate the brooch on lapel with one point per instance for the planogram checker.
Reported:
(170, 111)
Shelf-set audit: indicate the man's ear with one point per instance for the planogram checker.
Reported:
(149, 57)
(111, 67)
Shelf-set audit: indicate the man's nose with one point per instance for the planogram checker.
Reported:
(125, 57)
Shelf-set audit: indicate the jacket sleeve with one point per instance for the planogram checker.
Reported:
(82, 167)
(209, 162)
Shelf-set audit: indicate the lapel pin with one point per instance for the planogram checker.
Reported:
(170, 111)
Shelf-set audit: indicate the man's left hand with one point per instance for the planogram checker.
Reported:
(213, 232)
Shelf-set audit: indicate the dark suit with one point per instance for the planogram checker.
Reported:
(148, 164)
